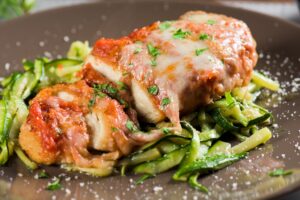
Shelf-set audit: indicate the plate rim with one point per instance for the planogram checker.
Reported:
(280, 193)
(213, 4)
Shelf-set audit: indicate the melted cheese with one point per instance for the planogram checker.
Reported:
(178, 59)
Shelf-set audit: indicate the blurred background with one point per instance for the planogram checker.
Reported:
(286, 9)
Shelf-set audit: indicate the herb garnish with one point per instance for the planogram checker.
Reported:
(122, 102)
(153, 63)
(137, 50)
(101, 90)
(164, 25)
(110, 89)
(211, 22)
(114, 129)
(179, 34)
(92, 101)
(43, 174)
(166, 130)
(121, 85)
(165, 101)
(198, 52)
(131, 126)
(280, 172)
(204, 36)
(97, 93)
(55, 185)
(105, 88)
(153, 51)
(153, 89)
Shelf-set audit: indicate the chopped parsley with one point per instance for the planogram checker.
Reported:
(165, 101)
(204, 36)
(131, 126)
(166, 130)
(179, 34)
(110, 89)
(198, 52)
(55, 185)
(97, 93)
(101, 94)
(153, 89)
(137, 50)
(121, 85)
(280, 172)
(92, 101)
(211, 22)
(104, 89)
(153, 63)
(114, 129)
(164, 25)
(43, 174)
(153, 51)
(122, 102)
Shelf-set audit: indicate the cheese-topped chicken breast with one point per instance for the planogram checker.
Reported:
(173, 67)
(66, 121)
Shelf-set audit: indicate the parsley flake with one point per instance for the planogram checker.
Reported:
(280, 172)
(121, 85)
(105, 87)
(198, 52)
(55, 185)
(164, 25)
(131, 126)
(123, 102)
(110, 89)
(179, 34)
(97, 93)
(211, 22)
(153, 51)
(153, 89)
(92, 101)
(114, 129)
(153, 63)
(43, 174)
(165, 101)
(204, 36)
(137, 50)
(166, 130)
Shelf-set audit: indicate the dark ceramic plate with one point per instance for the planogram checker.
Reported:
(51, 32)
